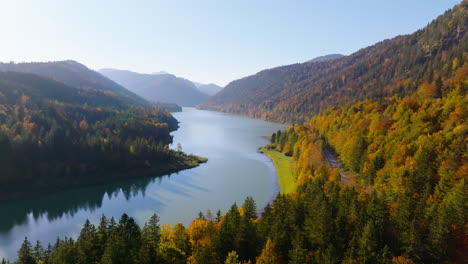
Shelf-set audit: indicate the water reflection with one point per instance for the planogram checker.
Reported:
(68, 203)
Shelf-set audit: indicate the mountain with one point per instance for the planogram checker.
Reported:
(42, 89)
(209, 89)
(326, 58)
(160, 72)
(158, 87)
(392, 67)
(55, 136)
(77, 75)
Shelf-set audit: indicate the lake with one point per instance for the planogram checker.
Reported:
(234, 171)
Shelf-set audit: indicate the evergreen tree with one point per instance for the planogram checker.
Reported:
(25, 254)
(150, 238)
(228, 235)
(38, 252)
(247, 235)
(102, 235)
(151, 232)
(218, 216)
(87, 244)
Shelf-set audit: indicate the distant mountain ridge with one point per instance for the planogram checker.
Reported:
(326, 58)
(397, 66)
(76, 75)
(209, 89)
(158, 87)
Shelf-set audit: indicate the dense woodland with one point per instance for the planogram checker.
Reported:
(396, 66)
(53, 135)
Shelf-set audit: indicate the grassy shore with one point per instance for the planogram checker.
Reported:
(283, 165)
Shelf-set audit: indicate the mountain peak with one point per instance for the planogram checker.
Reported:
(326, 58)
(160, 73)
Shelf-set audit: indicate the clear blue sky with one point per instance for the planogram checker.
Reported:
(204, 41)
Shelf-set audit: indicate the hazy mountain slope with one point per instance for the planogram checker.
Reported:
(326, 58)
(77, 75)
(158, 87)
(396, 66)
(209, 89)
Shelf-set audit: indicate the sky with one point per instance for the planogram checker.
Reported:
(204, 41)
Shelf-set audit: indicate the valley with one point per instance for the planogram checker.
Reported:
(359, 158)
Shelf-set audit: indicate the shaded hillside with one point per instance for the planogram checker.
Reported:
(395, 66)
(169, 106)
(54, 136)
(158, 87)
(77, 75)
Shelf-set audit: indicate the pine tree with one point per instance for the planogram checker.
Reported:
(87, 244)
(218, 216)
(102, 235)
(151, 232)
(38, 252)
(25, 254)
(228, 234)
(150, 238)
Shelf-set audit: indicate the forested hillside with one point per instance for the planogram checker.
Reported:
(158, 87)
(53, 135)
(396, 66)
(409, 155)
(77, 75)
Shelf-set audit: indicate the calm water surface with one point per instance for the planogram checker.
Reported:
(234, 170)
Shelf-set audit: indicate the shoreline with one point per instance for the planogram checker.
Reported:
(120, 176)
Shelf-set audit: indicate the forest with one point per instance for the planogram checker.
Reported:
(53, 136)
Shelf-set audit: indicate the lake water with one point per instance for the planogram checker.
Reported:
(234, 171)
